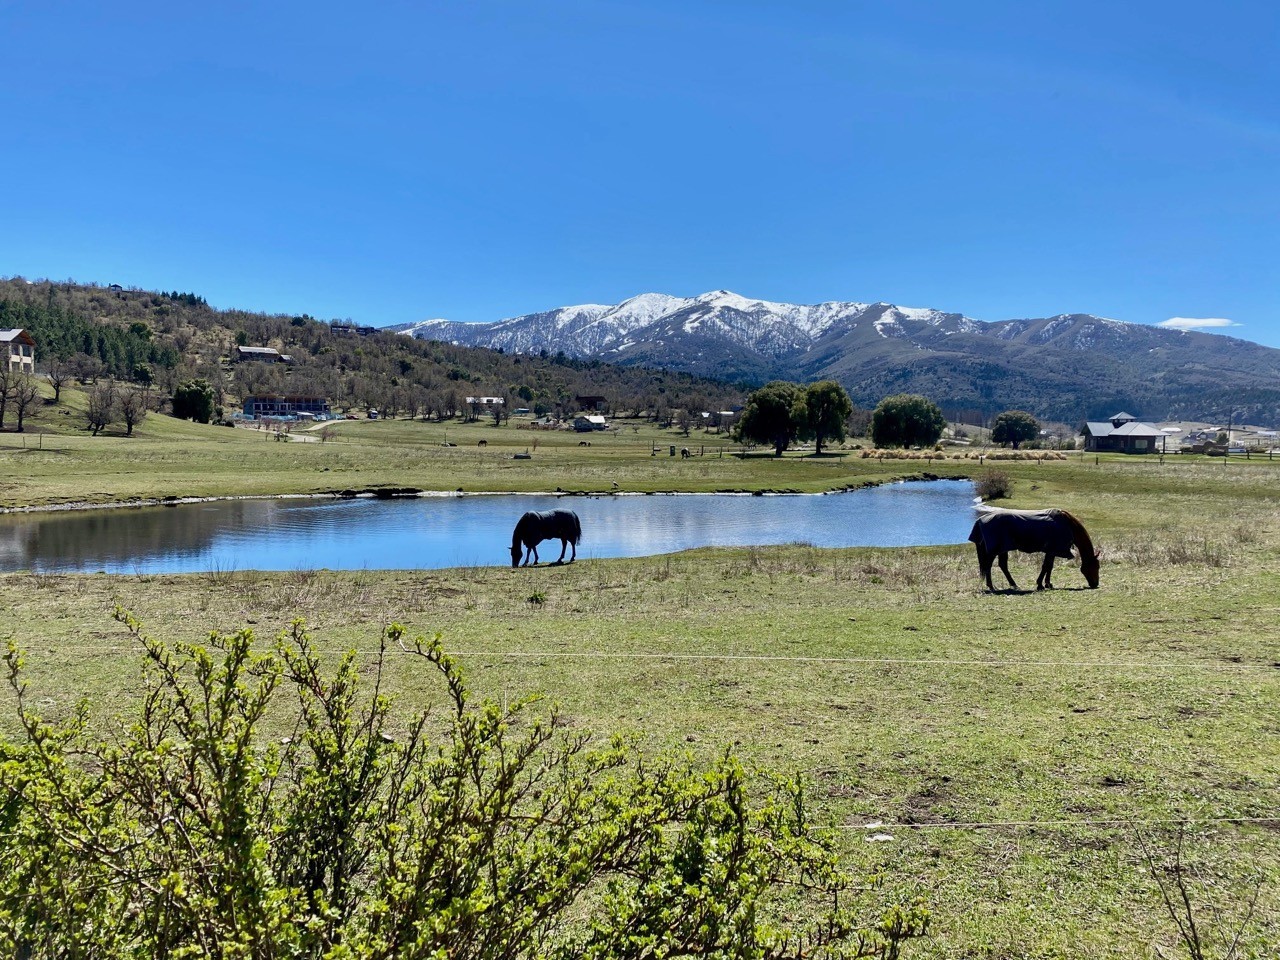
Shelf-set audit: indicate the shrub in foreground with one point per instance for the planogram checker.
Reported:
(994, 485)
(260, 805)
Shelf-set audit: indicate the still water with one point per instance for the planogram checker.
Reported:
(452, 531)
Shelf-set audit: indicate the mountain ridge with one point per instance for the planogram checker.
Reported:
(1066, 367)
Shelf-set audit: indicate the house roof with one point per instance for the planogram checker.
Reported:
(260, 351)
(1105, 428)
(20, 335)
(1135, 429)
(1122, 416)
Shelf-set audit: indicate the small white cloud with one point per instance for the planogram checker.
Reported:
(1197, 323)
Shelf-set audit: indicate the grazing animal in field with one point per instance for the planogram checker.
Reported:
(684, 453)
(1051, 532)
(482, 443)
(534, 527)
(584, 443)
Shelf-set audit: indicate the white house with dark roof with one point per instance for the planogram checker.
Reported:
(1122, 433)
(18, 351)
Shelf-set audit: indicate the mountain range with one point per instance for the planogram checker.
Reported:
(1068, 367)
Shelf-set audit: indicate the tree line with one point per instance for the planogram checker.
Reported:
(780, 413)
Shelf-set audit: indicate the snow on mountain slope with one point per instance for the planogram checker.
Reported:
(773, 330)
(652, 320)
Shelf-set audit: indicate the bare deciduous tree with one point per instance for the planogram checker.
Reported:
(58, 373)
(24, 391)
(6, 391)
(132, 407)
(101, 409)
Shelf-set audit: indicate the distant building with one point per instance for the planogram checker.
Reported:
(487, 401)
(1122, 433)
(256, 408)
(263, 354)
(589, 402)
(343, 329)
(18, 351)
(590, 422)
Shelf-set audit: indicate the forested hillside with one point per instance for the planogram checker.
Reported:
(165, 338)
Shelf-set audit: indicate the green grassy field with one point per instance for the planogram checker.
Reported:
(1013, 746)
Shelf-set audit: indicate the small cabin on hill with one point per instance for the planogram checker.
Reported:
(1122, 433)
(18, 351)
(262, 355)
(589, 402)
(589, 423)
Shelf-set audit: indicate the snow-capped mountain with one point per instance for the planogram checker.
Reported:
(1064, 366)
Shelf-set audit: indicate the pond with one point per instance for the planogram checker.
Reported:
(459, 531)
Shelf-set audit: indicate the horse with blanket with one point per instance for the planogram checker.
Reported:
(534, 527)
(1051, 532)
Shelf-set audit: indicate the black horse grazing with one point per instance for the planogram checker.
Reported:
(1051, 532)
(535, 527)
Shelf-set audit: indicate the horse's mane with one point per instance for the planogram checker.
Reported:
(1081, 536)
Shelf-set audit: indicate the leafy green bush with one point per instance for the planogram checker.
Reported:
(261, 806)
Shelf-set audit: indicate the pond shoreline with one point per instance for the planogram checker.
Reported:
(395, 493)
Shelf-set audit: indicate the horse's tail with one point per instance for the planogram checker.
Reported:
(576, 527)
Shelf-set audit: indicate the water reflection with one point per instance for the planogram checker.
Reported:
(464, 531)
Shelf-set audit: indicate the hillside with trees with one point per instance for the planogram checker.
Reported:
(162, 340)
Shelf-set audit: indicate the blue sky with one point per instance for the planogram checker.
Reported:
(393, 162)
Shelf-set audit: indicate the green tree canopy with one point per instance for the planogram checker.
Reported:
(1015, 427)
(906, 420)
(828, 407)
(193, 400)
(775, 414)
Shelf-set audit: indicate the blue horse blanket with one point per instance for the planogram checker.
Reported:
(1030, 531)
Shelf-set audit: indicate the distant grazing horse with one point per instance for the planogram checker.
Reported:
(535, 527)
(1051, 532)
(684, 453)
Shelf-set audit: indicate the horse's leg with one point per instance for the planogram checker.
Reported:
(534, 550)
(574, 547)
(564, 545)
(1004, 566)
(528, 552)
(984, 566)
(1046, 571)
